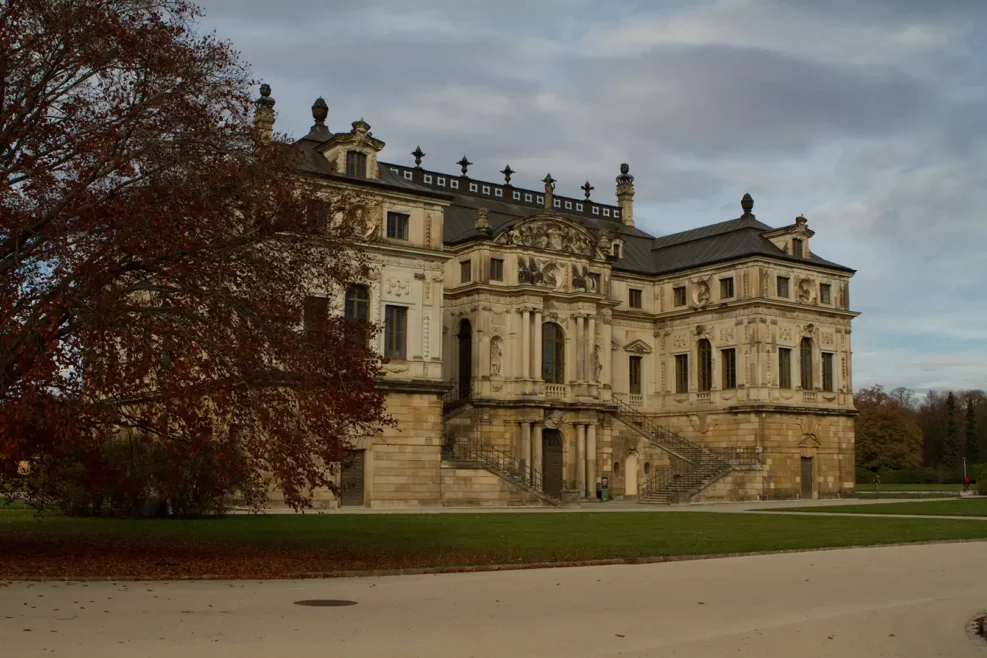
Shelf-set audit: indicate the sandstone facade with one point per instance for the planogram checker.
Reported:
(553, 336)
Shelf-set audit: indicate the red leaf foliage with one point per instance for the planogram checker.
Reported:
(155, 254)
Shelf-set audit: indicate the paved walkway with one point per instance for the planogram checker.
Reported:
(901, 601)
(630, 507)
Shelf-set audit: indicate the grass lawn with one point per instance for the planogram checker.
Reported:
(275, 545)
(906, 495)
(958, 507)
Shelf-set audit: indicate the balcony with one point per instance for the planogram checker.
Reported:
(703, 397)
(808, 396)
(636, 400)
(555, 391)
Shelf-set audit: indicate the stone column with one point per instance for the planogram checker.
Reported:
(590, 344)
(591, 461)
(525, 444)
(606, 354)
(537, 347)
(536, 448)
(580, 345)
(525, 343)
(581, 458)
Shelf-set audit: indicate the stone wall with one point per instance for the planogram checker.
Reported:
(477, 487)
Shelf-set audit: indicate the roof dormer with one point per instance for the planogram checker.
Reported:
(354, 153)
(793, 239)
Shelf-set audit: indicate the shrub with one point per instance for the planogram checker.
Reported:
(982, 487)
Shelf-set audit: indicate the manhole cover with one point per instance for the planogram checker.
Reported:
(325, 603)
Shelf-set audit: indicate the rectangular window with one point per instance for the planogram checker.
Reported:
(356, 164)
(395, 331)
(784, 368)
(679, 294)
(827, 366)
(797, 248)
(681, 373)
(496, 269)
(634, 298)
(783, 286)
(616, 250)
(315, 312)
(635, 374)
(825, 293)
(466, 271)
(729, 358)
(726, 288)
(397, 225)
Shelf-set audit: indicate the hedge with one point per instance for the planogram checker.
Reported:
(923, 475)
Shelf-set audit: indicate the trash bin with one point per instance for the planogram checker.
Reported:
(605, 488)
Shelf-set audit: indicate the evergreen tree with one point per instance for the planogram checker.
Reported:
(972, 445)
(951, 443)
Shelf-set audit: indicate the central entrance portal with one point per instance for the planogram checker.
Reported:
(551, 463)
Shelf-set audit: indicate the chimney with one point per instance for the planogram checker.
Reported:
(264, 113)
(625, 195)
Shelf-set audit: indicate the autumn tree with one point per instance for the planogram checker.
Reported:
(951, 442)
(155, 256)
(887, 434)
(972, 451)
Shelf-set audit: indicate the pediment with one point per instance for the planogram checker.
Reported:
(552, 234)
(638, 347)
(809, 441)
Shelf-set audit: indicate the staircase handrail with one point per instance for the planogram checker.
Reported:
(503, 464)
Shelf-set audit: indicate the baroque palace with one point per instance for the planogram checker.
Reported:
(542, 350)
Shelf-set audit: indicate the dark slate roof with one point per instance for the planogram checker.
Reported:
(506, 205)
(717, 243)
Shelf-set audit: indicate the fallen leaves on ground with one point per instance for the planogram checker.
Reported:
(33, 555)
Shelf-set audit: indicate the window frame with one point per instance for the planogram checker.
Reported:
(320, 304)
(356, 163)
(356, 307)
(828, 373)
(727, 283)
(496, 269)
(395, 332)
(681, 374)
(635, 294)
(786, 280)
(728, 367)
(826, 298)
(785, 372)
(553, 360)
(798, 248)
(466, 271)
(805, 364)
(676, 292)
(635, 370)
(401, 224)
(704, 365)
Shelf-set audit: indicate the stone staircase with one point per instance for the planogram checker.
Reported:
(695, 467)
(472, 453)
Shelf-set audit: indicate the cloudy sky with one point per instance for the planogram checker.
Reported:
(867, 116)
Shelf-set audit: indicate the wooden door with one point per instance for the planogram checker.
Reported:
(351, 480)
(551, 466)
(807, 478)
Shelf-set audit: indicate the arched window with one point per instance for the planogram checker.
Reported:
(358, 303)
(705, 365)
(553, 353)
(805, 357)
(647, 468)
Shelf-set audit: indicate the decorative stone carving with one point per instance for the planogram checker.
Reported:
(638, 347)
(827, 338)
(428, 229)
(396, 367)
(726, 335)
(805, 291)
(398, 287)
(664, 388)
(678, 341)
(786, 333)
(498, 319)
(597, 364)
(426, 336)
(702, 423)
(606, 316)
(420, 276)
(549, 234)
(554, 276)
(747, 290)
(555, 420)
(700, 293)
(528, 271)
(496, 353)
(764, 283)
